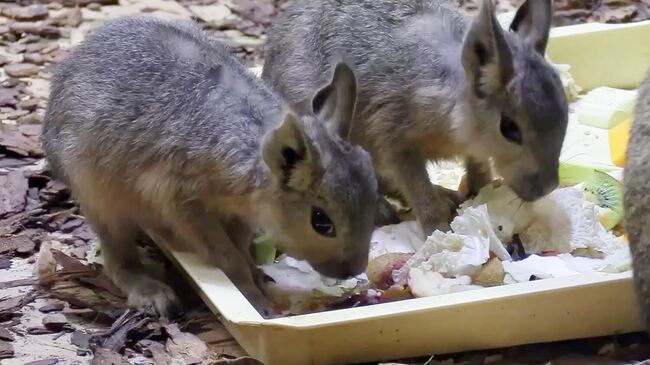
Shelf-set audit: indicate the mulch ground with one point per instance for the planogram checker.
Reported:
(55, 306)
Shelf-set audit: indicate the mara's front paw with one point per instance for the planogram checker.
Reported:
(152, 295)
(438, 212)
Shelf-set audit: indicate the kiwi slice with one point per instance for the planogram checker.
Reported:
(572, 174)
(264, 251)
(607, 193)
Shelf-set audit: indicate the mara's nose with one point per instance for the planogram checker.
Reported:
(357, 265)
(539, 186)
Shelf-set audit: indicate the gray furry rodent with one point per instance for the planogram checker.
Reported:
(433, 86)
(156, 128)
(636, 198)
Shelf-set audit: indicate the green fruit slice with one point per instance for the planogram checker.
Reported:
(572, 174)
(607, 193)
(264, 250)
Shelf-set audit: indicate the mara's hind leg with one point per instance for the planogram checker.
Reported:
(123, 265)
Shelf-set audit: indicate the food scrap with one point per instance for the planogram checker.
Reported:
(568, 232)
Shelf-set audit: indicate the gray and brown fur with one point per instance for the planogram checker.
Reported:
(636, 197)
(432, 86)
(157, 128)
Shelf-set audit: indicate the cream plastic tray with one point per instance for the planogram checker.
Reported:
(539, 311)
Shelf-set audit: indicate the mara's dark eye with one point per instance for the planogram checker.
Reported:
(322, 223)
(510, 130)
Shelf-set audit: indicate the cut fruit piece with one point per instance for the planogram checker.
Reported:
(605, 107)
(572, 174)
(618, 137)
(264, 250)
(462, 186)
(607, 193)
(380, 270)
(491, 274)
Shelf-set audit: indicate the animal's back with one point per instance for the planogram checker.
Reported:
(140, 89)
(637, 197)
(380, 38)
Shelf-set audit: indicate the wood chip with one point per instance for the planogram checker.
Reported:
(44, 362)
(130, 320)
(34, 58)
(8, 97)
(104, 356)
(34, 28)
(71, 225)
(23, 140)
(19, 243)
(5, 263)
(32, 12)
(103, 282)
(238, 361)
(14, 115)
(5, 335)
(6, 350)
(10, 304)
(80, 339)
(216, 16)
(81, 297)
(184, 345)
(13, 189)
(45, 264)
(29, 104)
(55, 321)
(17, 283)
(215, 334)
(22, 70)
(72, 18)
(94, 6)
(68, 263)
(87, 2)
(37, 331)
(31, 118)
(620, 15)
(84, 233)
(79, 253)
(50, 48)
(35, 47)
(54, 191)
(156, 351)
(52, 307)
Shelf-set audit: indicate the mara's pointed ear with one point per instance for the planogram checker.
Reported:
(533, 23)
(486, 57)
(336, 101)
(291, 156)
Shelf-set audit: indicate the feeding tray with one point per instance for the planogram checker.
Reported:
(580, 306)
